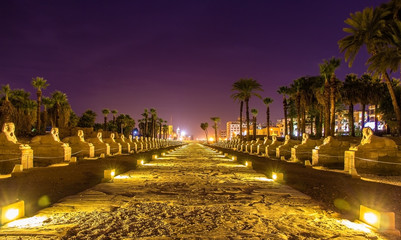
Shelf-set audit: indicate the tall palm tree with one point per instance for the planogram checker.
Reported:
(284, 91)
(365, 89)
(246, 88)
(267, 101)
(204, 127)
(153, 114)
(145, 114)
(47, 104)
(254, 115)
(216, 120)
(349, 94)
(39, 83)
(7, 110)
(376, 94)
(114, 112)
(105, 112)
(327, 70)
(366, 28)
(62, 109)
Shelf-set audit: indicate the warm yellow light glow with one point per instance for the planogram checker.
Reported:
(211, 139)
(154, 157)
(109, 174)
(274, 176)
(370, 218)
(28, 222)
(246, 164)
(122, 177)
(142, 162)
(11, 214)
(277, 176)
(355, 226)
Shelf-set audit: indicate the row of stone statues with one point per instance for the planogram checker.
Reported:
(328, 152)
(48, 149)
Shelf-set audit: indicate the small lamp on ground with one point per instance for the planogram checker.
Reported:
(109, 174)
(154, 157)
(12, 211)
(382, 221)
(248, 164)
(278, 177)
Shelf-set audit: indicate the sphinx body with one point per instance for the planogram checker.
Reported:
(303, 151)
(115, 147)
(330, 153)
(261, 148)
(12, 152)
(100, 146)
(49, 149)
(79, 146)
(284, 150)
(125, 146)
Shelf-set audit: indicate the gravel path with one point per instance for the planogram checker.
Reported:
(192, 193)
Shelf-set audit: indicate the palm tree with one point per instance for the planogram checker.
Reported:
(62, 109)
(327, 70)
(366, 28)
(376, 94)
(365, 89)
(7, 110)
(153, 114)
(114, 112)
(39, 83)
(204, 127)
(105, 113)
(254, 114)
(216, 120)
(349, 96)
(145, 114)
(47, 104)
(284, 91)
(245, 89)
(267, 101)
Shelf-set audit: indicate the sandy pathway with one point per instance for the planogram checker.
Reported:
(192, 193)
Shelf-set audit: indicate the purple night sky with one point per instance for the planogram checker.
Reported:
(180, 57)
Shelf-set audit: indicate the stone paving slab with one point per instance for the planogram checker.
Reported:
(196, 194)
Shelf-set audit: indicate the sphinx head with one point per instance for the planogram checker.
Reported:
(9, 131)
(55, 134)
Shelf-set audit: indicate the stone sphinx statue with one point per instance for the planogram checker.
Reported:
(100, 146)
(372, 142)
(253, 148)
(49, 149)
(261, 148)
(115, 147)
(270, 150)
(125, 145)
(12, 152)
(138, 144)
(79, 146)
(331, 152)
(285, 149)
(303, 151)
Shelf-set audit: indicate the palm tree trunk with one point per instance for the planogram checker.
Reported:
(363, 116)
(247, 118)
(105, 123)
(215, 131)
(298, 116)
(285, 116)
(291, 127)
(326, 109)
(397, 109)
(332, 106)
(268, 121)
(254, 128)
(376, 120)
(351, 119)
(303, 121)
(39, 101)
(240, 119)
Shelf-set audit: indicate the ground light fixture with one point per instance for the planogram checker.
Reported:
(12, 211)
(109, 174)
(234, 158)
(382, 221)
(277, 176)
(248, 164)
(140, 162)
(154, 157)
(163, 154)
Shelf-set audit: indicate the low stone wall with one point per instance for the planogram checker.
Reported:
(55, 183)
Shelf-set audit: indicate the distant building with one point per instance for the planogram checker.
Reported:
(223, 133)
(233, 129)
